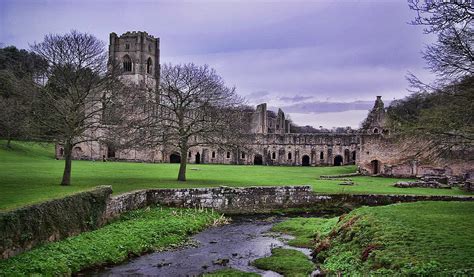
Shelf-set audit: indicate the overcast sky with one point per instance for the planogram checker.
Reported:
(322, 62)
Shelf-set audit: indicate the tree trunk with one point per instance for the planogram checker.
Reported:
(67, 165)
(9, 140)
(182, 164)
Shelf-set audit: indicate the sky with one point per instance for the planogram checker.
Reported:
(321, 62)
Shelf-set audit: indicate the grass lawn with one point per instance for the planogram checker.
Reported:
(135, 233)
(409, 239)
(29, 173)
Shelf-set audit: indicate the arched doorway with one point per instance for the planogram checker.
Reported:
(375, 164)
(338, 160)
(110, 152)
(175, 158)
(198, 158)
(305, 160)
(258, 160)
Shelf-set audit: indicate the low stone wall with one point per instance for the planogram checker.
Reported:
(251, 200)
(24, 228)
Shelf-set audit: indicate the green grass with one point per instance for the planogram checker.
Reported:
(230, 273)
(305, 230)
(135, 233)
(288, 262)
(422, 239)
(29, 173)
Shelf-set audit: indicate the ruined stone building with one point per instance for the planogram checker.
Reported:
(272, 142)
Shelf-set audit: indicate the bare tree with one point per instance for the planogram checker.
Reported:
(452, 56)
(194, 108)
(69, 109)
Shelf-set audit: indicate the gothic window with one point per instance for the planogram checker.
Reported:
(127, 46)
(190, 154)
(243, 155)
(376, 131)
(228, 155)
(273, 155)
(127, 64)
(289, 156)
(321, 155)
(149, 64)
(213, 154)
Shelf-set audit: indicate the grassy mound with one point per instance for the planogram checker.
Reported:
(288, 262)
(134, 233)
(423, 239)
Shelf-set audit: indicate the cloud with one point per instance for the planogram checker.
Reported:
(296, 98)
(329, 107)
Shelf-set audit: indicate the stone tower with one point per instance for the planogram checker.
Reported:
(375, 121)
(137, 55)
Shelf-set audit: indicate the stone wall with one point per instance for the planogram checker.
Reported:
(384, 155)
(251, 200)
(24, 228)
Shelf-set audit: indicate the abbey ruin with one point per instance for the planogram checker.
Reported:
(272, 141)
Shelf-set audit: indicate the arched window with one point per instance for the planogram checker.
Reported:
(376, 131)
(213, 154)
(243, 155)
(127, 64)
(273, 155)
(289, 156)
(228, 155)
(149, 64)
(190, 154)
(321, 155)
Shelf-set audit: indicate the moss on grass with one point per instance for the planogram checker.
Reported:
(134, 233)
(288, 262)
(305, 230)
(230, 273)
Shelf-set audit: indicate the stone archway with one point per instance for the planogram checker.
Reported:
(375, 165)
(338, 160)
(305, 160)
(175, 158)
(258, 160)
(197, 158)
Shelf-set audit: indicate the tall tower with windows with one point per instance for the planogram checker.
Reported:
(137, 55)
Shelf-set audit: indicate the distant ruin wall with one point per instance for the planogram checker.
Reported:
(27, 227)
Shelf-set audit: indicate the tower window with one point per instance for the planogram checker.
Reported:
(149, 64)
(127, 64)
(127, 46)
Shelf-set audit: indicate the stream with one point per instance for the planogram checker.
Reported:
(233, 245)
